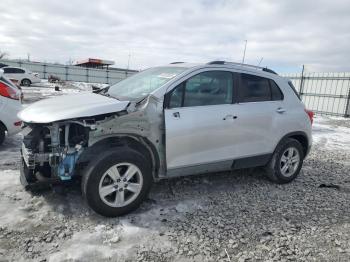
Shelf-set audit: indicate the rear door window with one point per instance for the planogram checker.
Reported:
(254, 89)
(258, 89)
(18, 71)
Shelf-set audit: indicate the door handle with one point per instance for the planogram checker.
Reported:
(176, 114)
(229, 117)
(280, 110)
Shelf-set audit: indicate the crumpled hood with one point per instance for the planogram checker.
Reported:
(70, 106)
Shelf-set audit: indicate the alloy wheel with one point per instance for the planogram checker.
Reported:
(120, 184)
(290, 160)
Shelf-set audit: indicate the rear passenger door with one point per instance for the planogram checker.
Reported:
(260, 111)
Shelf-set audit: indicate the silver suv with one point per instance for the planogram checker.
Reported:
(175, 120)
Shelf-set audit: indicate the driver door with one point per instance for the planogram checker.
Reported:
(199, 122)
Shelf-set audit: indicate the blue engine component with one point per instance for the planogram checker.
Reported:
(66, 167)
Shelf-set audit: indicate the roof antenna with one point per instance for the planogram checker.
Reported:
(260, 61)
(245, 47)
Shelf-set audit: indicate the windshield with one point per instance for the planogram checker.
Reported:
(143, 83)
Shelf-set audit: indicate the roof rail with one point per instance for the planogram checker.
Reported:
(265, 69)
(173, 63)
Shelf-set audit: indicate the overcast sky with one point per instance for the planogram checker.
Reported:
(286, 34)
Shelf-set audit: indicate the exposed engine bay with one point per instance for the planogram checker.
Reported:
(53, 152)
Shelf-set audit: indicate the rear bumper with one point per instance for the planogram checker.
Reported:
(8, 115)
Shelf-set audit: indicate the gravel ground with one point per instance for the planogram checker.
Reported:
(232, 216)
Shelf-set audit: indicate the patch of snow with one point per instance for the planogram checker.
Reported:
(330, 135)
(117, 243)
(18, 209)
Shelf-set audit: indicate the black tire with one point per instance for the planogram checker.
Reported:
(2, 134)
(273, 168)
(95, 171)
(26, 82)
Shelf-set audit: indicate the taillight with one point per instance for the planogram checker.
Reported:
(18, 123)
(310, 115)
(8, 91)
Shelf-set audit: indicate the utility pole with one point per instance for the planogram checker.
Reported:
(245, 47)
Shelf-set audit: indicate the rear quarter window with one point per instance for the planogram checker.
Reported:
(276, 93)
(294, 90)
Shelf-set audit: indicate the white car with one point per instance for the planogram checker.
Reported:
(22, 75)
(10, 105)
(175, 120)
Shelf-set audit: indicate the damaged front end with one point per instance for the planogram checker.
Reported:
(60, 150)
(50, 151)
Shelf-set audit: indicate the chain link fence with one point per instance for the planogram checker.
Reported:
(324, 93)
(73, 73)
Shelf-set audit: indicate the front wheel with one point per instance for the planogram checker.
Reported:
(117, 182)
(286, 162)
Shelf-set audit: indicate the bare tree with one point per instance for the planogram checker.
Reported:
(3, 54)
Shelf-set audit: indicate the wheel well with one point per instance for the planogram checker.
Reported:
(302, 139)
(3, 125)
(139, 144)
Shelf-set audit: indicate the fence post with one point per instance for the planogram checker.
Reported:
(347, 108)
(87, 75)
(44, 71)
(301, 89)
(107, 76)
(66, 73)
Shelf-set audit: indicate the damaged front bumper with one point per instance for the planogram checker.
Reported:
(27, 181)
(49, 153)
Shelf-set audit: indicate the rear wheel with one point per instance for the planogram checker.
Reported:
(2, 134)
(117, 182)
(286, 161)
(26, 82)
